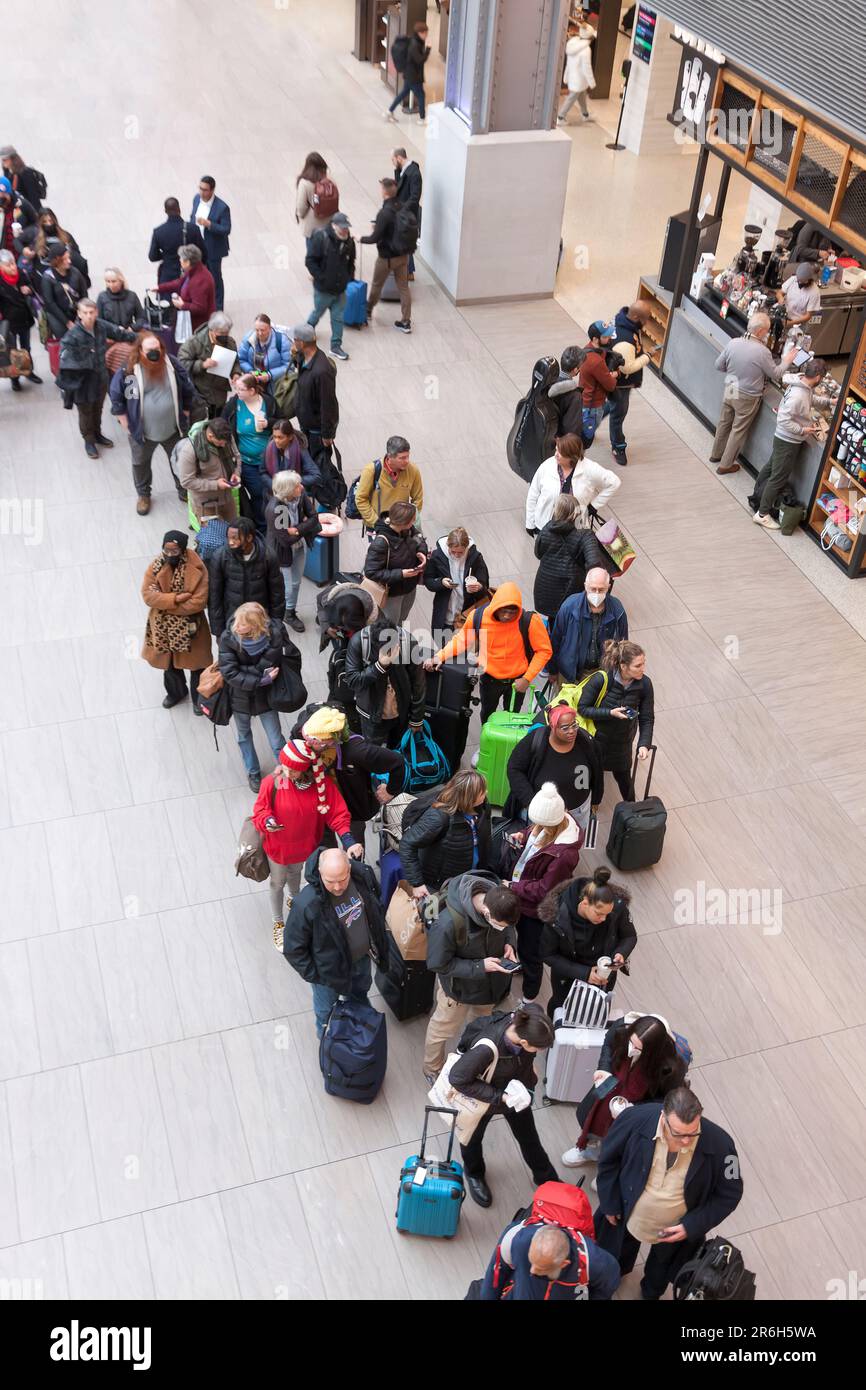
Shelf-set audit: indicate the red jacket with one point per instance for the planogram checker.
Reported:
(297, 812)
(547, 868)
(595, 379)
(196, 289)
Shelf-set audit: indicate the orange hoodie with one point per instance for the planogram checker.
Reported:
(501, 652)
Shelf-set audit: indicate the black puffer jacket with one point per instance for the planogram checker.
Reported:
(60, 296)
(15, 306)
(565, 553)
(417, 55)
(277, 519)
(367, 680)
(315, 944)
(243, 672)
(331, 261)
(571, 945)
(438, 569)
(122, 309)
(457, 946)
(390, 553)
(234, 581)
(82, 357)
(439, 845)
(317, 410)
(512, 1066)
(614, 736)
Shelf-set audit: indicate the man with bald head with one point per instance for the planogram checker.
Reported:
(336, 923)
(748, 365)
(548, 1263)
(583, 624)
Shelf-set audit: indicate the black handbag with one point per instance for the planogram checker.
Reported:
(287, 692)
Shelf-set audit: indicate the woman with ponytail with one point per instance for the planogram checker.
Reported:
(619, 700)
(592, 920)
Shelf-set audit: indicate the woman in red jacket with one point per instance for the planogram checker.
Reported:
(193, 290)
(547, 854)
(292, 809)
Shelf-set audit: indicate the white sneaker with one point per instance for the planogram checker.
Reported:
(575, 1158)
(389, 116)
(766, 521)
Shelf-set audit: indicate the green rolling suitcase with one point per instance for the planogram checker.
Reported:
(499, 737)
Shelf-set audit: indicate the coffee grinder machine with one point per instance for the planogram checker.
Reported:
(746, 262)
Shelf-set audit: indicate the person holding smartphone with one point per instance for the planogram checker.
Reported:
(397, 557)
(384, 672)
(619, 700)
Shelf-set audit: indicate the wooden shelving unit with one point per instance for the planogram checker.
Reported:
(848, 491)
(654, 333)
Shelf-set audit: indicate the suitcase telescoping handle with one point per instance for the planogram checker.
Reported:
(652, 750)
(438, 1110)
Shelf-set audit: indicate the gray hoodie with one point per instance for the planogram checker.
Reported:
(795, 411)
(456, 950)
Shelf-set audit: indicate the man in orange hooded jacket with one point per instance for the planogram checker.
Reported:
(512, 646)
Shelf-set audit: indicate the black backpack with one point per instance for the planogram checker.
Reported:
(400, 52)
(404, 237)
(330, 490)
(717, 1273)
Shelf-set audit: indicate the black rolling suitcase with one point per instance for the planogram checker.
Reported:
(406, 985)
(637, 830)
(448, 708)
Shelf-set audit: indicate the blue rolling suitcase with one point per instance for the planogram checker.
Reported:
(431, 1193)
(355, 314)
(353, 1052)
(390, 873)
(323, 560)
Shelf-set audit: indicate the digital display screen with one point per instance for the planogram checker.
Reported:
(644, 33)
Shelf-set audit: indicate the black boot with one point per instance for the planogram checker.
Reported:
(16, 384)
(37, 380)
(294, 621)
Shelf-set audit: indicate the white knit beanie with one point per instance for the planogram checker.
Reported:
(547, 806)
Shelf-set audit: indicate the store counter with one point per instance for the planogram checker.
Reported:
(694, 342)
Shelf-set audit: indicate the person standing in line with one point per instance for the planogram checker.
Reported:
(177, 638)
(620, 702)
(794, 425)
(294, 807)
(151, 397)
(292, 525)
(16, 308)
(384, 671)
(394, 478)
(456, 574)
(287, 452)
(666, 1175)
(209, 468)
(317, 411)
(451, 836)
(265, 352)
(560, 753)
(591, 920)
(24, 180)
(214, 219)
(336, 923)
(192, 292)
(569, 470)
(244, 571)
(352, 760)
(391, 256)
(628, 324)
(250, 411)
(331, 263)
(565, 551)
(196, 357)
(597, 380)
(583, 624)
(417, 53)
(748, 365)
(83, 376)
(250, 651)
(61, 288)
(396, 557)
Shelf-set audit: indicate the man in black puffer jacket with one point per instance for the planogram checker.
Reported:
(337, 921)
(396, 557)
(245, 570)
(473, 933)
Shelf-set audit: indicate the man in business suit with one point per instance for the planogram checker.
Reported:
(214, 220)
(666, 1176)
(409, 186)
(167, 239)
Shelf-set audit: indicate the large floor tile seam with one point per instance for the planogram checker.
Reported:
(90, 1151)
(174, 992)
(238, 1110)
(7, 1122)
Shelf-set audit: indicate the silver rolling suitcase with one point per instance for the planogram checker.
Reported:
(580, 1027)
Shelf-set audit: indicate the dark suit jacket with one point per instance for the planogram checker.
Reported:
(167, 238)
(409, 184)
(713, 1187)
(216, 236)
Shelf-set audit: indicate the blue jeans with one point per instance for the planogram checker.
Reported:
(243, 724)
(337, 305)
(251, 478)
(293, 574)
(418, 89)
(618, 405)
(324, 998)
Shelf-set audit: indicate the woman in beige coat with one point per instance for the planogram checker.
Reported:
(177, 637)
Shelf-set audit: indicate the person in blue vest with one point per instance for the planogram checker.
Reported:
(666, 1176)
(214, 220)
(583, 624)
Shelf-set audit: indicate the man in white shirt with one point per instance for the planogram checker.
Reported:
(800, 294)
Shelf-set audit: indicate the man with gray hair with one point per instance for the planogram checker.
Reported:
(196, 355)
(748, 365)
(548, 1263)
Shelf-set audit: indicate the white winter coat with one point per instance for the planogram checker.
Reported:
(590, 484)
(579, 76)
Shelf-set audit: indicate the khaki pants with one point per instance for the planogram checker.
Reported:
(733, 428)
(400, 267)
(447, 1020)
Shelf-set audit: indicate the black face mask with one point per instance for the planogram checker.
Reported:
(49, 228)
(222, 339)
(173, 560)
(154, 355)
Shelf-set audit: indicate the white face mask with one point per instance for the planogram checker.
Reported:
(596, 596)
(633, 1051)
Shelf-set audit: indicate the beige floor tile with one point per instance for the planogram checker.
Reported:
(830, 928)
(706, 958)
(344, 1217)
(803, 1257)
(273, 1253)
(806, 1071)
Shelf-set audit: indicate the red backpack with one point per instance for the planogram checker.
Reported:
(326, 198)
(558, 1204)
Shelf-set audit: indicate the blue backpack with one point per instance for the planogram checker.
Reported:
(426, 764)
(351, 505)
